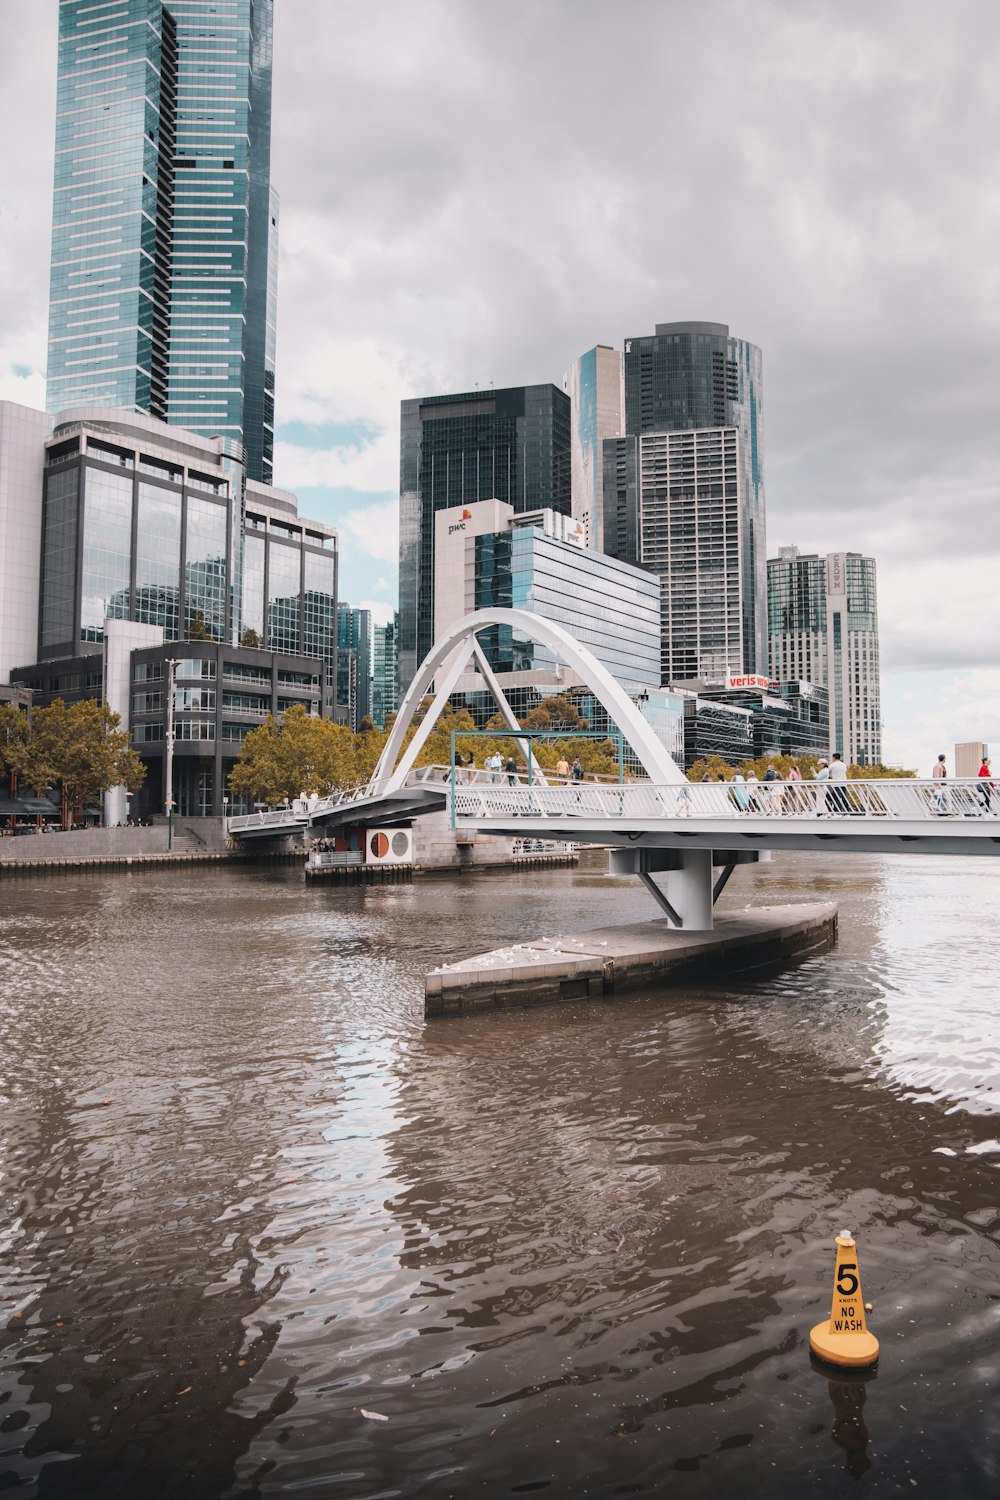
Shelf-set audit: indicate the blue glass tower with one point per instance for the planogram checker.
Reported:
(164, 232)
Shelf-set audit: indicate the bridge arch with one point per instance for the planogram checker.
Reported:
(454, 652)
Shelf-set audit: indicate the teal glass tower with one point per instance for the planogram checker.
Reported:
(164, 232)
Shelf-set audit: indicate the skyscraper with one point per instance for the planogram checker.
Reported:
(511, 445)
(823, 615)
(354, 665)
(164, 224)
(697, 378)
(595, 386)
(385, 698)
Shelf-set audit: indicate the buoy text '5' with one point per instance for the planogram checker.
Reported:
(843, 1338)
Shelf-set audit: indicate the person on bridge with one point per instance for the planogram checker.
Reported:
(562, 767)
(822, 776)
(985, 776)
(739, 793)
(511, 770)
(838, 789)
(939, 776)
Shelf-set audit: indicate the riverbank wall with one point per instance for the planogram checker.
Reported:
(607, 961)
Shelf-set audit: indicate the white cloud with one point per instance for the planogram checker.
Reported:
(381, 612)
(369, 464)
(373, 530)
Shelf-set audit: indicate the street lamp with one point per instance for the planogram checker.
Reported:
(168, 777)
(225, 816)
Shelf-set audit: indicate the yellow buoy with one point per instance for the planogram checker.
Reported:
(843, 1338)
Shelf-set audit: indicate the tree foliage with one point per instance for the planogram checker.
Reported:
(81, 747)
(294, 757)
(197, 629)
(249, 638)
(14, 737)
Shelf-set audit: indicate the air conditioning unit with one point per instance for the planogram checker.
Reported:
(389, 846)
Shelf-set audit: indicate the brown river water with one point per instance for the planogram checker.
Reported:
(265, 1232)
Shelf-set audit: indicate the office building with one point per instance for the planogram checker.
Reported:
(221, 693)
(511, 445)
(674, 504)
(823, 616)
(22, 466)
(142, 522)
(489, 556)
(354, 665)
(788, 718)
(694, 378)
(596, 389)
(164, 232)
(385, 694)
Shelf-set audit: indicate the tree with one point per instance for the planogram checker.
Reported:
(83, 747)
(197, 629)
(248, 638)
(14, 736)
(558, 714)
(294, 757)
(878, 772)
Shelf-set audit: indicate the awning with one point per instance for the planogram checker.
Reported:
(27, 807)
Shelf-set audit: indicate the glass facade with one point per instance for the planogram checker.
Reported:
(511, 445)
(385, 694)
(164, 226)
(354, 664)
(595, 386)
(691, 376)
(607, 606)
(205, 570)
(158, 557)
(823, 618)
(107, 544)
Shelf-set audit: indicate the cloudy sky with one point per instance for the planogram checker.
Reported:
(473, 193)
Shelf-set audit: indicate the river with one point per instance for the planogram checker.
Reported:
(265, 1232)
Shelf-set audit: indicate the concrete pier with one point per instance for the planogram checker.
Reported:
(601, 963)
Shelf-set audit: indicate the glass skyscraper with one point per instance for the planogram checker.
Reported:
(695, 377)
(594, 384)
(511, 445)
(385, 697)
(823, 615)
(164, 223)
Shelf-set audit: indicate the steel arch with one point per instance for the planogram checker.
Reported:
(448, 659)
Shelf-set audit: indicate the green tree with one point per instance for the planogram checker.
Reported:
(294, 757)
(82, 747)
(248, 638)
(197, 629)
(878, 772)
(14, 737)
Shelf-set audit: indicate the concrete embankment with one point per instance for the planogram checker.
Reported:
(200, 841)
(606, 961)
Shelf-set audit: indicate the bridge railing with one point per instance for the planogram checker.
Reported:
(801, 800)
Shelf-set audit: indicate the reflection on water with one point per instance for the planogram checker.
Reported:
(264, 1232)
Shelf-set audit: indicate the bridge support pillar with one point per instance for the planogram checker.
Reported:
(689, 890)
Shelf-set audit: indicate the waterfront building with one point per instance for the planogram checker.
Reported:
(385, 693)
(22, 465)
(354, 665)
(164, 236)
(488, 555)
(715, 728)
(690, 377)
(147, 522)
(596, 389)
(787, 718)
(221, 693)
(512, 445)
(823, 617)
(675, 503)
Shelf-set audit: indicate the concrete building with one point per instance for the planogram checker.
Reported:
(969, 756)
(595, 385)
(164, 229)
(674, 503)
(690, 377)
(22, 466)
(823, 616)
(512, 445)
(488, 555)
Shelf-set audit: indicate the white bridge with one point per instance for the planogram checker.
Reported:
(685, 831)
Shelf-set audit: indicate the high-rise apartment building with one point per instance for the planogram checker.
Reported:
(596, 389)
(673, 504)
(164, 233)
(697, 379)
(512, 445)
(823, 615)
